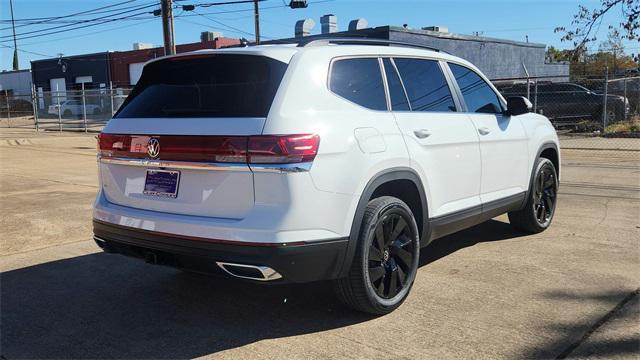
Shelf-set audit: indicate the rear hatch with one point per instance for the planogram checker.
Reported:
(178, 144)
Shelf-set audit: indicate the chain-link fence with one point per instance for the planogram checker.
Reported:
(84, 109)
(585, 110)
(588, 112)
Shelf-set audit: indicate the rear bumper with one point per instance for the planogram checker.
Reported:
(297, 262)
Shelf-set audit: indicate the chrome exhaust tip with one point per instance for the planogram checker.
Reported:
(103, 244)
(250, 272)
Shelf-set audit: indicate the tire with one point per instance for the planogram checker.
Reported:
(67, 113)
(386, 259)
(537, 214)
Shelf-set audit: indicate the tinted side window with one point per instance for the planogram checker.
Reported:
(477, 94)
(426, 86)
(359, 80)
(396, 92)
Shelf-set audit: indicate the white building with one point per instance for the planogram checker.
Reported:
(17, 83)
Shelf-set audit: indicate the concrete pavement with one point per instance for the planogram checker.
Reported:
(486, 292)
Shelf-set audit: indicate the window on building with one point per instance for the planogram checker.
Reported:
(477, 94)
(399, 100)
(360, 81)
(426, 85)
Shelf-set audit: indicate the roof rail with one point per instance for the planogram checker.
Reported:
(362, 41)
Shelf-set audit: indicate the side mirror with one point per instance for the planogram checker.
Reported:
(518, 105)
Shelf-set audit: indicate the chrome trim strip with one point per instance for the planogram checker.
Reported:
(268, 274)
(211, 166)
(174, 164)
(281, 168)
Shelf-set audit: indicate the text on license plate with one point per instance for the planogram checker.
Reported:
(162, 183)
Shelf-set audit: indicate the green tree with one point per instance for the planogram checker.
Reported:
(585, 21)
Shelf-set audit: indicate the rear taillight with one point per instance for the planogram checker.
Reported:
(260, 149)
(285, 149)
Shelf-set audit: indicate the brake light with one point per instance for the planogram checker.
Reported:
(259, 149)
(282, 149)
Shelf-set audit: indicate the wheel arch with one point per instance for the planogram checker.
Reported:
(548, 150)
(400, 182)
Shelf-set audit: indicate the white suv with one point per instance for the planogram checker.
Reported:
(327, 160)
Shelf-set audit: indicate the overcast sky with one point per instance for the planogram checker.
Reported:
(508, 19)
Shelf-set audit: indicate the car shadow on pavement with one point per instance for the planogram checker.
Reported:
(109, 306)
(488, 231)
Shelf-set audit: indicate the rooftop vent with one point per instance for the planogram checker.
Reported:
(440, 29)
(304, 27)
(210, 35)
(329, 23)
(142, 46)
(358, 24)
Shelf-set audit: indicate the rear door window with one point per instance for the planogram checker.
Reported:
(359, 80)
(426, 85)
(221, 85)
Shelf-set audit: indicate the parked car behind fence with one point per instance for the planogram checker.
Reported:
(570, 104)
(73, 107)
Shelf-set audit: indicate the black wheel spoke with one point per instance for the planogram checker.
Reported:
(404, 256)
(375, 254)
(380, 237)
(380, 287)
(402, 276)
(550, 182)
(401, 225)
(549, 201)
(541, 181)
(393, 283)
(387, 226)
(376, 272)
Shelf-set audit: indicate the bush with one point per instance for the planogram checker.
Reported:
(631, 126)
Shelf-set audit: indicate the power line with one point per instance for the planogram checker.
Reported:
(105, 18)
(44, 20)
(26, 51)
(77, 27)
(90, 33)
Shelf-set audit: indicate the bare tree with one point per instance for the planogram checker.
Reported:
(586, 22)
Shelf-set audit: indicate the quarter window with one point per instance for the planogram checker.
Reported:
(477, 94)
(360, 81)
(426, 85)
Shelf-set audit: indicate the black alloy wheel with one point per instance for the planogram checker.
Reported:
(536, 215)
(390, 256)
(544, 196)
(386, 258)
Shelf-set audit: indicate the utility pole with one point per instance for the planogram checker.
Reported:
(15, 46)
(256, 13)
(167, 27)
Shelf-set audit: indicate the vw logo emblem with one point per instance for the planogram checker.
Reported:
(153, 147)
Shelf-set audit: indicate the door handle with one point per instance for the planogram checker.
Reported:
(484, 130)
(422, 133)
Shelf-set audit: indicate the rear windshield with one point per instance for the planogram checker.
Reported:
(221, 85)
